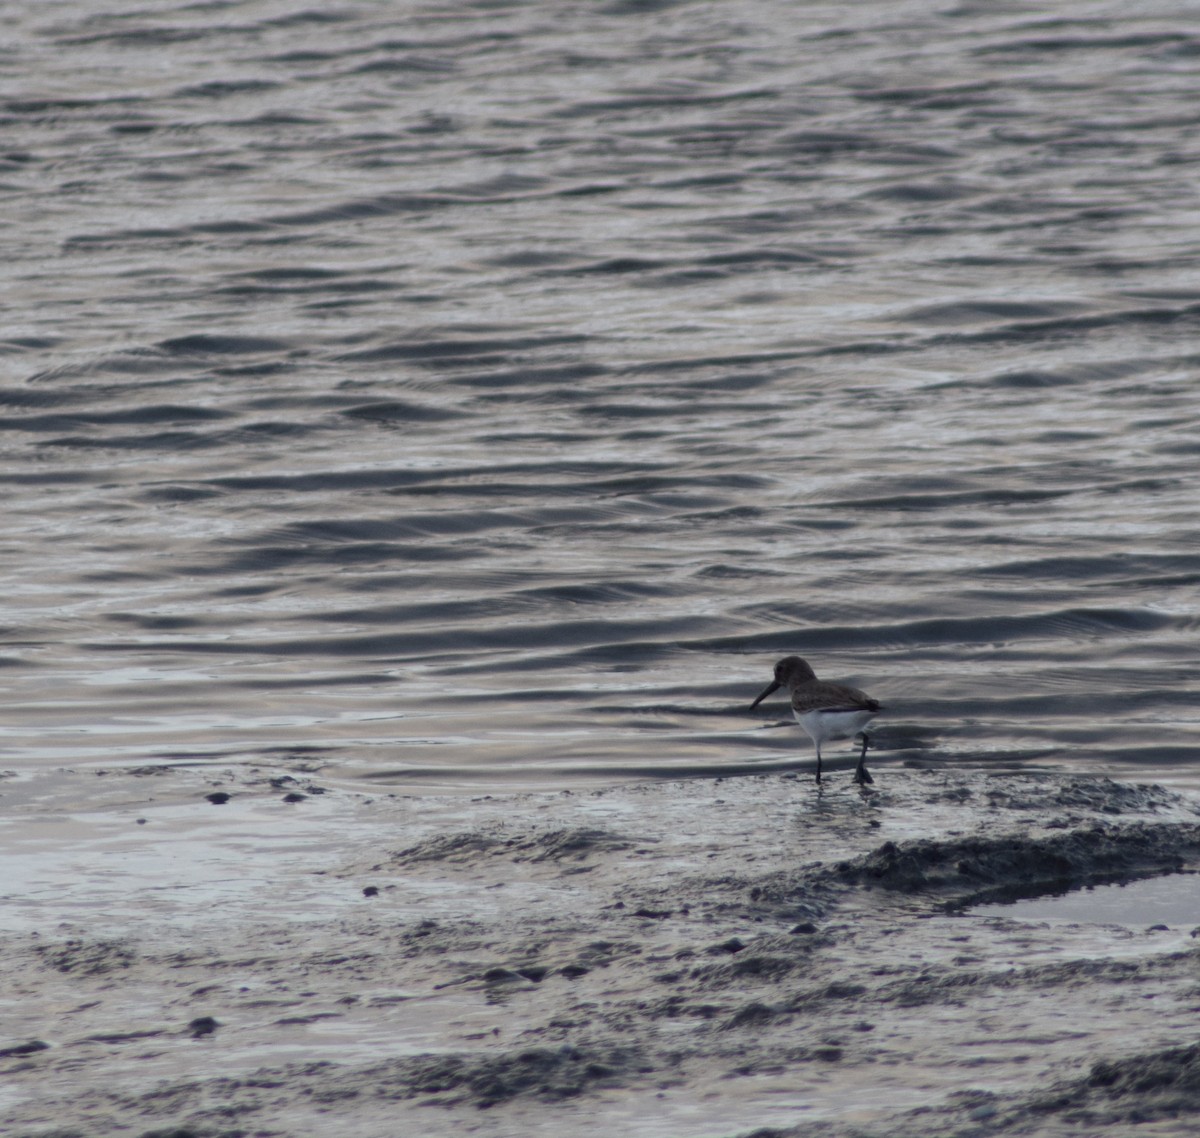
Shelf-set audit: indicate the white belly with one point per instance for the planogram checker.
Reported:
(822, 725)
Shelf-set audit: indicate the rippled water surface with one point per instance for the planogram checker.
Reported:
(483, 394)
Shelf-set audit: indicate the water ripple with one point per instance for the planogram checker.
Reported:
(486, 389)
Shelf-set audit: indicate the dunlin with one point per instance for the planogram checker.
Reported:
(825, 711)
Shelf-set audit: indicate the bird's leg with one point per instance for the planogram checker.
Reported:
(818, 746)
(861, 775)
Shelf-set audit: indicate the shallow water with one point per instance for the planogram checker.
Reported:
(474, 395)
(1172, 900)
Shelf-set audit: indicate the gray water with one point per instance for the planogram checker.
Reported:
(1172, 900)
(486, 394)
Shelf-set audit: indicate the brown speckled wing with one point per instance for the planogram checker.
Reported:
(832, 697)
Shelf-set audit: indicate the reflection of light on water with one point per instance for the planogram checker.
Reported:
(1172, 900)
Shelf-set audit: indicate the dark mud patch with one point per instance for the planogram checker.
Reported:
(1136, 1090)
(548, 1074)
(978, 869)
(542, 1074)
(737, 964)
(20, 1049)
(936, 985)
(1099, 795)
(555, 845)
(90, 958)
(795, 898)
(453, 848)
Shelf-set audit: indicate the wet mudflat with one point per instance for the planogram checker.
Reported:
(688, 958)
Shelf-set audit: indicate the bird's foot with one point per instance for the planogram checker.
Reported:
(861, 775)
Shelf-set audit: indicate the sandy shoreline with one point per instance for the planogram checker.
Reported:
(686, 958)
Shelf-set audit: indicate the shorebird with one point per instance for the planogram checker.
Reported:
(825, 711)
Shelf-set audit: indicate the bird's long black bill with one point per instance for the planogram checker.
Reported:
(774, 686)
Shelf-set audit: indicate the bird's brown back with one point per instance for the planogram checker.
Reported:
(820, 696)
